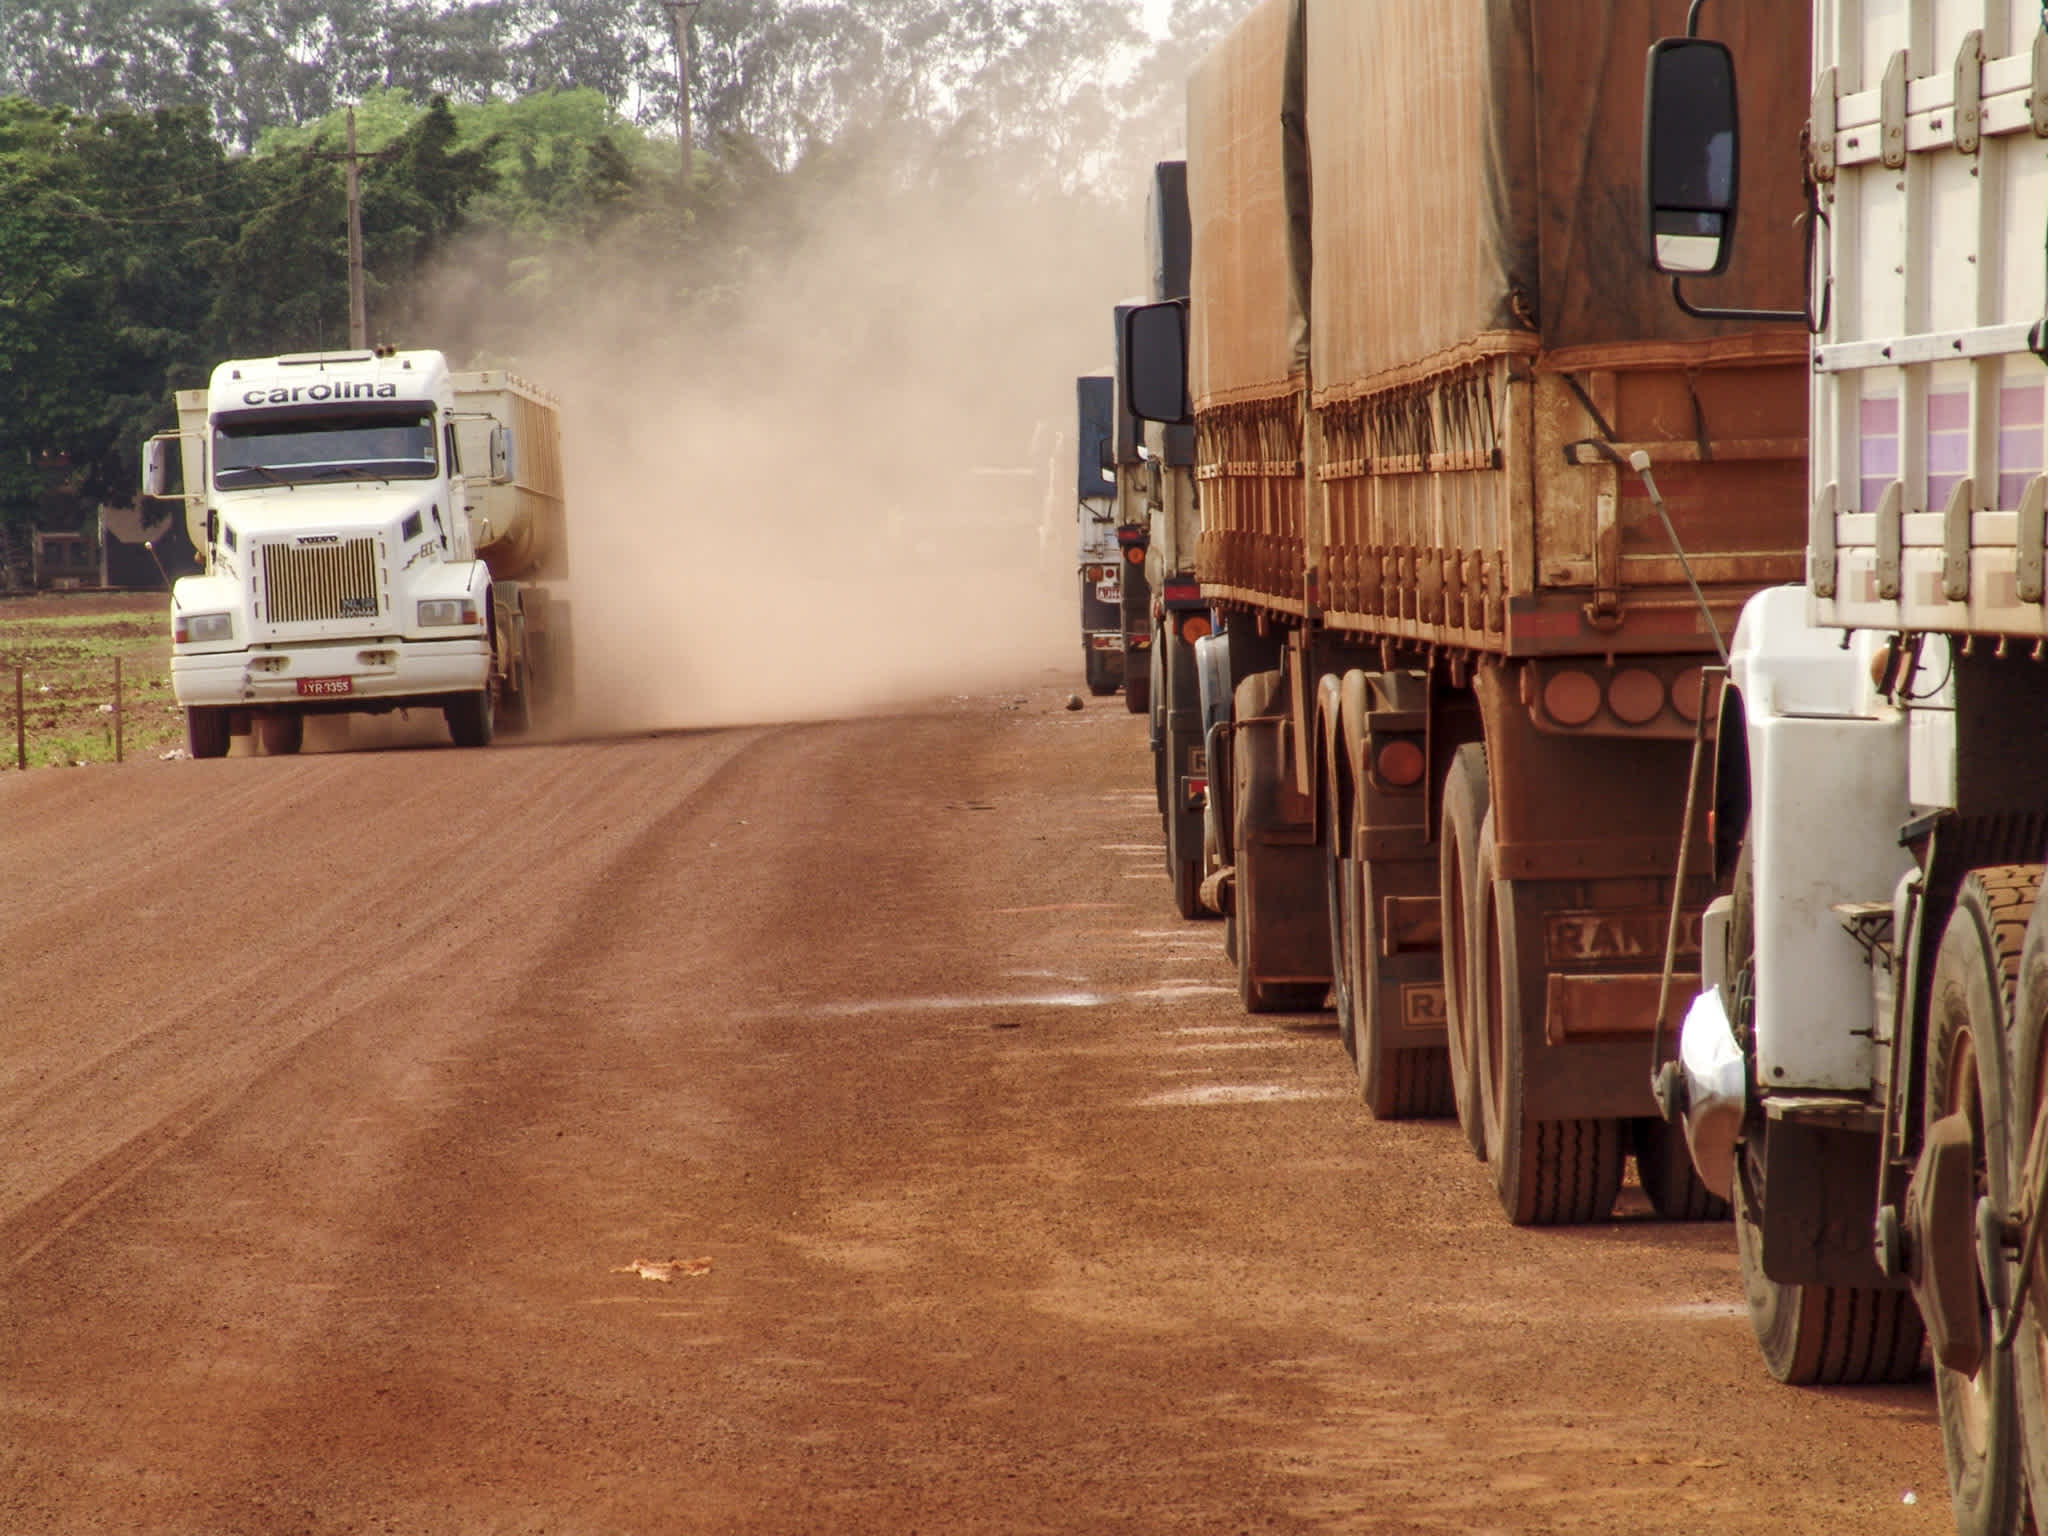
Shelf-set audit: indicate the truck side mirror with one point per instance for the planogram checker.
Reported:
(1691, 151)
(1155, 363)
(156, 466)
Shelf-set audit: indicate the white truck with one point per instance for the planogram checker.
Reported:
(378, 532)
(1864, 1065)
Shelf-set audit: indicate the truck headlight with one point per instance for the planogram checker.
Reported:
(439, 612)
(201, 628)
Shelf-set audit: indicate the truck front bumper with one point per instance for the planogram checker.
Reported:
(342, 675)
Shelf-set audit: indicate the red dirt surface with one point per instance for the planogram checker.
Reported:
(353, 1107)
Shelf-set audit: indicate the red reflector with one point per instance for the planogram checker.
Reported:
(1399, 763)
(1194, 627)
(1135, 553)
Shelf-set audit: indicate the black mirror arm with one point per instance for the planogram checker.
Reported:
(1698, 312)
(1814, 323)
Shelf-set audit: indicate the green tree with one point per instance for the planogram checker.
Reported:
(45, 292)
(104, 225)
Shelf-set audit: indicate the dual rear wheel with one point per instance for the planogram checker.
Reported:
(282, 732)
(1395, 1081)
(1546, 1172)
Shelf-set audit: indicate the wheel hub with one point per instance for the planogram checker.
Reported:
(1941, 1225)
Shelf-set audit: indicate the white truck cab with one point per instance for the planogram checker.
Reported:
(334, 497)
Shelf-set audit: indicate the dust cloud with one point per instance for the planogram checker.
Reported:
(849, 486)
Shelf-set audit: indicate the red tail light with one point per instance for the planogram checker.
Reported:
(1399, 763)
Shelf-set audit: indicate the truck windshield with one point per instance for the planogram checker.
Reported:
(291, 451)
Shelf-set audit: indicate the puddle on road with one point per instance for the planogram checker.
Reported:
(1703, 1311)
(1235, 1093)
(958, 1004)
(1206, 1047)
(1062, 906)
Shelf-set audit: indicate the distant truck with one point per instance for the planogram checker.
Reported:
(1100, 561)
(378, 533)
(1463, 655)
(1865, 1068)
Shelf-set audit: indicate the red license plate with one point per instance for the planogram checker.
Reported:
(325, 687)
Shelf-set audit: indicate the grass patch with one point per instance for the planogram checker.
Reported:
(66, 647)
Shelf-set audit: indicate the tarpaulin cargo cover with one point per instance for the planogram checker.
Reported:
(1248, 323)
(1478, 169)
(1423, 216)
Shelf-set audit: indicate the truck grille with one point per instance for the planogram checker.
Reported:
(303, 583)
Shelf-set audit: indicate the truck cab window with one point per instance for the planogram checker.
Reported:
(295, 451)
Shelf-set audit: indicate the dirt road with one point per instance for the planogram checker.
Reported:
(354, 1109)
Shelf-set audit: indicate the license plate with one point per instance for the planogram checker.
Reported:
(325, 687)
(1108, 592)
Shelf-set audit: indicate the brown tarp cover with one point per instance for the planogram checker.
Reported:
(1478, 170)
(1247, 323)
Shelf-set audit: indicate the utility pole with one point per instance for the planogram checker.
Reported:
(358, 323)
(682, 11)
(358, 318)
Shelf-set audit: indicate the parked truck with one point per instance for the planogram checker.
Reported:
(1463, 654)
(379, 533)
(1864, 1068)
(1100, 561)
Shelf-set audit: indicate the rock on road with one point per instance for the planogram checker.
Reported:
(353, 1108)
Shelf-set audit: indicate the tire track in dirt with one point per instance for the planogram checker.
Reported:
(79, 1125)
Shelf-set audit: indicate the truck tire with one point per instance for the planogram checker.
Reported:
(1821, 1335)
(1253, 755)
(1976, 972)
(206, 731)
(282, 732)
(472, 718)
(1137, 684)
(1102, 682)
(1465, 804)
(2029, 1093)
(1547, 1173)
(1339, 877)
(515, 704)
(1186, 858)
(1808, 1335)
(1664, 1167)
(1396, 1082)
